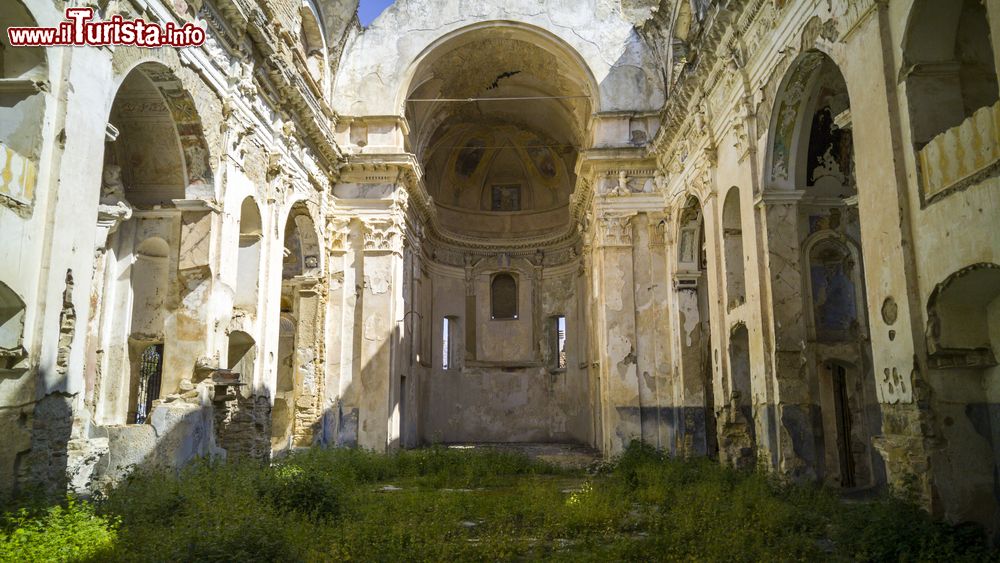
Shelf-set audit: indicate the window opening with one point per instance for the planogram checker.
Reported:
(503, 293)
(150, 372)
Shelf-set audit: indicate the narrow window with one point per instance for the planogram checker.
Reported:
(445, 344)
(150, 370)
(503, 297)
(449, 343)
(559, 341)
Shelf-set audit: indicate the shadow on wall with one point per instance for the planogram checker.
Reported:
(212, 421)
(36, 438)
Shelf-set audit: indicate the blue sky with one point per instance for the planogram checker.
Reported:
(370, 9)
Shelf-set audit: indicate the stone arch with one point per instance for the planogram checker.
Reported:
(150, 287)
(949, 67)
(527, 33)
(612, 50)
(249, 254)
(738, 439)
(241, 355)
(792, 121)
(312, 42)
(961, 318)
(302, 249)
(834, 286)
(732, 238)
(160, 144)
(283, 411)
(963, 336)
(24, 71)
(156, 161)
(693, 325)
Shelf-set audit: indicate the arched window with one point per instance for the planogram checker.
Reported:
(732, 227)
(312, 43)
(503, 297)
(834, 301)
(248, 261)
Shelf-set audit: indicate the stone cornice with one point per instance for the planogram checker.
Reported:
(403, 169)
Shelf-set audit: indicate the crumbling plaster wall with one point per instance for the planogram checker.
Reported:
(261, 160)
(719, 132)
(510, 390)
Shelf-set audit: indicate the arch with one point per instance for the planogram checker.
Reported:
(833, 285)
(22, 109)
(283, 411)
(528, 33)
(312, 41)
(624, 72)
(694, 347)
(241, 355)
(160, 148)
(149, 284)
(963, 318)
(963, 335)
(153, 247)
(691, 237)
(503, 296)
(949, 65)
(801, 95)
(732, 236)
(742, 447)
(301, 244)
(248, 256)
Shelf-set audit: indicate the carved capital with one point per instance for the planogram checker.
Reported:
(338, 235)
(383, 235)
(615, 229)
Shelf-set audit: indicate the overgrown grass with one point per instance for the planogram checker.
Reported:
(441, 504)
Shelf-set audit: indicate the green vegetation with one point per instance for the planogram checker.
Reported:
(442, 505)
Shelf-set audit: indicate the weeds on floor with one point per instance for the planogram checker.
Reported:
(442, 504)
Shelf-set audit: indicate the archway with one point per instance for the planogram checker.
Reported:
(297, 381)
(241, 355)
(816, 260)
(248, 261)
(694, 340)
(963, 339)
(283, 411)
(950, 70)
(498, 135)
(739, 436)
(498, 114)
(155, 155)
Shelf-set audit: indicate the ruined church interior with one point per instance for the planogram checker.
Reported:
(766, 232)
